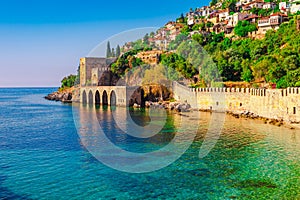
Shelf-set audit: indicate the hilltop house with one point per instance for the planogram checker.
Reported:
(190, 20)
(150, 57)
(236, 17)
(222, 27)
(253, 4)
(271, 22)
(246, 1)
(175, 30)
(252, 18)
(214, 17)
(204, 11)
(269, 5)
(295, 7)
(223, 14)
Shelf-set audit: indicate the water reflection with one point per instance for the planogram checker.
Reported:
(113, 136)
(108, 133)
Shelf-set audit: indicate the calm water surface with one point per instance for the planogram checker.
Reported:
(43, 157)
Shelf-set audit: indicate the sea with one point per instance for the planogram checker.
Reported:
(52, 150)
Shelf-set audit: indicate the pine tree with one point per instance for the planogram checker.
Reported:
(118, 51)
(113, 53)
(108, 50)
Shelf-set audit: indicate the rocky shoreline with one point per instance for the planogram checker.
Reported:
(185, 107)
(65, 96)
(275, 122)
(176, 106)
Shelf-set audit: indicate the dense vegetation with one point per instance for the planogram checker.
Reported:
(68, 81)
(125, 62)
(274, 59)
(111, 52)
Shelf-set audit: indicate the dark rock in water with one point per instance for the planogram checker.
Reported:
(199, 172)
(65, 97)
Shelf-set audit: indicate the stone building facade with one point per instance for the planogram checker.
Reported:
(93, 69)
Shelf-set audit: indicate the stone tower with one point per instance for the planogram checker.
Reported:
(91, 70)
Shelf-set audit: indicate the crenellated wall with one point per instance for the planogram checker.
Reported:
(270, 103)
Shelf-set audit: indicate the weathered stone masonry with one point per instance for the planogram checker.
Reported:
(97, 85)
(281, 104)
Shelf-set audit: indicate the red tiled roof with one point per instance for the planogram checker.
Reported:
(279, 14)
(263, 18)
(251, 17)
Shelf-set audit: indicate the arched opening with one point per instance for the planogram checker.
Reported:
(84, 98)
(97, 98)
(104, 98)
(113, 98)
(91, 97)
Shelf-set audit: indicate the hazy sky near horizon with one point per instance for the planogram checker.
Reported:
(42, 41)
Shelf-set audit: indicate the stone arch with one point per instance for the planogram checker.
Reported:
(97, 98)
(91, 98)
(113, 98)
(104, 98)
(84, 99)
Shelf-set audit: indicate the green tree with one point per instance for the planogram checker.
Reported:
(146, 39)
(213, 2)
(185, 30)
(247, 72)
(68, 81)
(199, 38)
(108, 50)
(196, 27)
(77, 80)
(243, 27)
(118, 51)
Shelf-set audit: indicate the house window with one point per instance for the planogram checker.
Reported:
(294, 110)
(241, 104)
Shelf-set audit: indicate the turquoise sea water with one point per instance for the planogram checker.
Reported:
(43, 157)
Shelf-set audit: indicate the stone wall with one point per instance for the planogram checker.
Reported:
(281, 104)
(124, 95)
(88, 94)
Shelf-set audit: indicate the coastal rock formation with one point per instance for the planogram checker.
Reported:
(176, 106)
(65, 96)
(250, 115)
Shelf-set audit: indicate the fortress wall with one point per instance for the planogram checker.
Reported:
(120, 92)
(270, 103)
(184, 94)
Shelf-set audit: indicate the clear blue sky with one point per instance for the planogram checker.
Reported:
(41, 41)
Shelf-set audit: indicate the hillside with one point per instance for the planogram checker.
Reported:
(250, 51)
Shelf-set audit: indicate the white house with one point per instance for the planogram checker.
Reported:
(236, 17)
(269, 5)
(295, 8)
(272, 22)
(253, 4)
(223, 15)
(190, 20)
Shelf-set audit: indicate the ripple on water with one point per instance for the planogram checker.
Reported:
(41, 158)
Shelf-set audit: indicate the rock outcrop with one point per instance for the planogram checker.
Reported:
(176, 106)
(64, 96)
